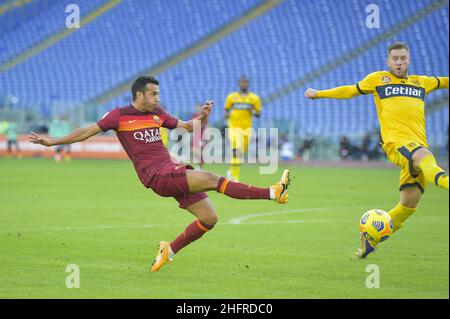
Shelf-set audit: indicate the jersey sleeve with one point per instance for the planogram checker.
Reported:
(443, 82)
(432, 83)
(109, 121)
(229, 102)
(257, 105)
(367, 85)
(340, 92)
(168, 121)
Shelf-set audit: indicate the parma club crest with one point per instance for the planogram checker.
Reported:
(386, 79)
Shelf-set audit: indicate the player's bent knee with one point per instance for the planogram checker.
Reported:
(211, 219)
(410, 197)
(212, 180)
(410, 202)
(418, 156)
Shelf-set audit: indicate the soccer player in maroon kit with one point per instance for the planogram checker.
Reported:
(137, 128)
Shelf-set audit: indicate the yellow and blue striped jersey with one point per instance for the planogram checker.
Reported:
(241, 109)
(400, 103)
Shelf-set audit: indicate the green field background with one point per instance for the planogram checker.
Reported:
(97, 215)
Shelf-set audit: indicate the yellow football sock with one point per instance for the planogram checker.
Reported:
(399, 214)
(235, 168)
(433, 173)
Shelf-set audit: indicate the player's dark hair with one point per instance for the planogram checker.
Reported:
(398, 46)
(140, 84)
(243, 78)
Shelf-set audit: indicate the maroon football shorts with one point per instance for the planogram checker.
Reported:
(171, 181)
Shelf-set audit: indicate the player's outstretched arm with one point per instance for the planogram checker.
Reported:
(189, 125)
(78, 135)
(443, 82)
(340, 92)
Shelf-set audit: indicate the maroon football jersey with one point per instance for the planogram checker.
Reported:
(139, 134)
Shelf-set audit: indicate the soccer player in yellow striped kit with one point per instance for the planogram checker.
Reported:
(239, 110)
(400, 101)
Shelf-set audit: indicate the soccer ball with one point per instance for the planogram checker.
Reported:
(376, 225)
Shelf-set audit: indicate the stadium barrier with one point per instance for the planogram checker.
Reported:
(97, 147)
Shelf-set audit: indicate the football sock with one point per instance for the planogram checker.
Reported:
(235, 168)
(272, 193)
(193, 231)
(234, 171)
(171, 253)
(399, 214)
(433, 173)
(241, 191)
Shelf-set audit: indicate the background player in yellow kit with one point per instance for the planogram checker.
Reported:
(239, 110)
(400, 102)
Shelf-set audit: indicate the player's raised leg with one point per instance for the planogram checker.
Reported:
(202, 181)
(409, 200)
(206, 219)
(424, 160)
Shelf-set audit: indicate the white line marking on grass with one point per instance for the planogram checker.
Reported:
(107, 227)
(81, 228)
(242, 220)
(270, 222)
(239, 220)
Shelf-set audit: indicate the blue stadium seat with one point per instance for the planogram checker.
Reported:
(275, 49)
(102, 53)
(26, 26)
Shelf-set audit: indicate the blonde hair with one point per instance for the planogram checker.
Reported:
(397, 46)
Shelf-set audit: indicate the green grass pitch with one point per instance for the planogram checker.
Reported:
(97, 215)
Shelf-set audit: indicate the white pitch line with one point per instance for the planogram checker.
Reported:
(81, 228)
(234, 221)
(270, 222)
(103, 227)
(293, 211)
(279, 212)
